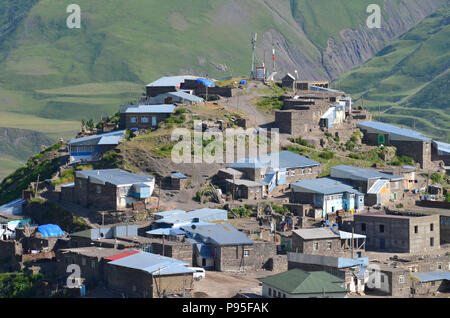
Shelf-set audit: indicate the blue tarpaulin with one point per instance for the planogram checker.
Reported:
(49, 230)
(243, 82)
(206, 82)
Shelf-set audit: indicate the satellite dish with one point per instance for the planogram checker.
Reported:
(193, 226)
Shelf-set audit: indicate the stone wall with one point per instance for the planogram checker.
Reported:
(299, 245)
(231, 258)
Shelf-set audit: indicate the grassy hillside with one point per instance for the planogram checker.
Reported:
(409, 79)
(17, 145)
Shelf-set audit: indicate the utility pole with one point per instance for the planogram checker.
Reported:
(159, 194)
(353, 233)
(37, 187)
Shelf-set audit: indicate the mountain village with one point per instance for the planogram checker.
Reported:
(354, 207)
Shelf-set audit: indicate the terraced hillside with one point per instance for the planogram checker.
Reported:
(408, 81)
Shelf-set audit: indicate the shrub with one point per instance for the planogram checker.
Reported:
(327, 155)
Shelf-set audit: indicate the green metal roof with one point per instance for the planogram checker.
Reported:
(297, 281)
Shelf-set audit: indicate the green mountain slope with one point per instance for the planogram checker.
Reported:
(408, 81)
(17, 145)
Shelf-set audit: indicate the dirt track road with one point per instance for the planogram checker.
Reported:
(227, 285)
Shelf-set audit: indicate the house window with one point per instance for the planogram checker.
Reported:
(431, 227)
(401, 279)
(246, 253)
(270, 292)
(144, 120)
(439, 265)
(363, 227)
(310, 170)
(381, 228)
(329, 245)
(431, 241)
(293, 173)
(133, 120)
(416, 229)
(83, 261)
(382, 278)
(92, 264)
(99, 189)
(316, 246)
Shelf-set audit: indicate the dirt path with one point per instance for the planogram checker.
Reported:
(227, 285)
(244, 102)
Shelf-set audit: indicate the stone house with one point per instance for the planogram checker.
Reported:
(111, 189)
(168, 84)
(267, 175)
(144, 116)
(91, 148)
(327, 194)
(378, 187)
(408, 142)
(223, 248)
(297, 283)
(91, 260)
(398, 233)
(147, 275)
(327, 241)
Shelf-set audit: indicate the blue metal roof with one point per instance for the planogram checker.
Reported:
(179, 217)
(394, 130)
(186, 96)
(152, 109)
(11, 207)
(286, 160)
(178, 175)
(218, 234)
(324, 186)
(114, 176)
(50, 230)
(168, 81)
(442, 146)
(360, 173)
(111, 138)
(153, 264)
(432, 276)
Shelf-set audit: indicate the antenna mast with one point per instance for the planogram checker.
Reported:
(254, 38)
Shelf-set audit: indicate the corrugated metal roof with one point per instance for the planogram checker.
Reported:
(297, 281)
(218, 234)
(114, 176)
(323, 186)
(182, 217)
(377, 186)
(151, 109)
(111, 138)
(442, 146)
(348, 235)
(316, 233)
(432, 276)
(10, 205)
(186, 96)
(178, 175)
(397, 131)
(171, 80)
(153, 264)
(357, 173)
(279, 160)
(121, 255)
